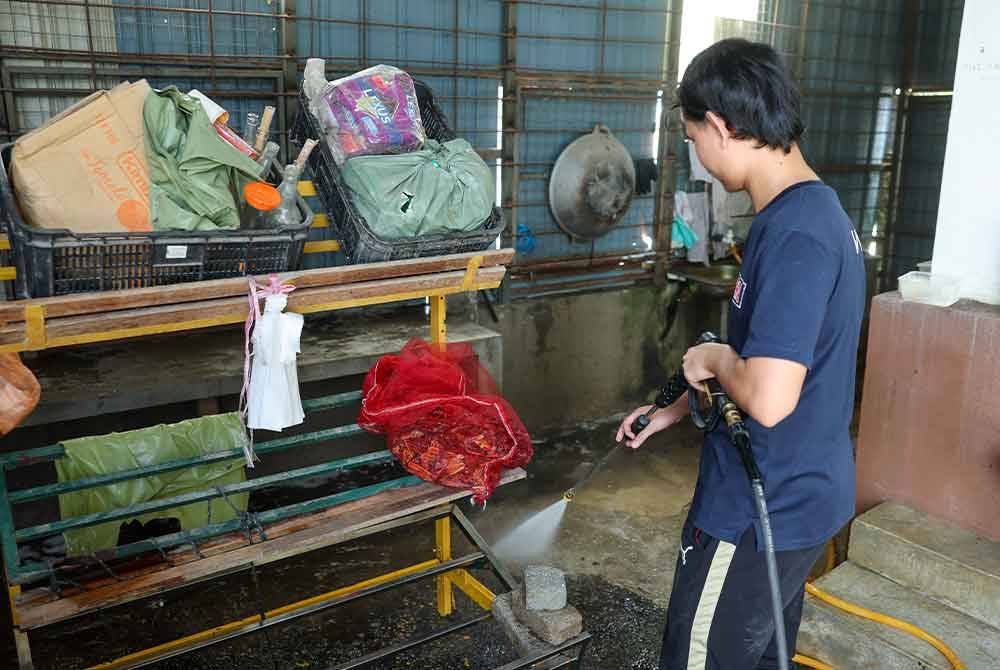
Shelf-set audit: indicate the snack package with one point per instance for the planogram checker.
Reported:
(374, 111)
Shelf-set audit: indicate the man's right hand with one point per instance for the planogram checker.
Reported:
(661, 420)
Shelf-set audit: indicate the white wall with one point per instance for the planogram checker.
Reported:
(967, 240)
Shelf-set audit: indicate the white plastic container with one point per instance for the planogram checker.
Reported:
(929, 288)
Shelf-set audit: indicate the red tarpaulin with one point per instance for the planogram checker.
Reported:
(443, 418)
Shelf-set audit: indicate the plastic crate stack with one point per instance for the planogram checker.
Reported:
(53, 262)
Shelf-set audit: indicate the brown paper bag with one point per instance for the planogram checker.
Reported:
(19, 392)
(85, 169)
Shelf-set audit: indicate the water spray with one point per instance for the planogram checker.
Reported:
(709, 404)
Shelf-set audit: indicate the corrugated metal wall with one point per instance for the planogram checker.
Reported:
(563, 67)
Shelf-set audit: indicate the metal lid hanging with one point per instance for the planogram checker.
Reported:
(591, 185)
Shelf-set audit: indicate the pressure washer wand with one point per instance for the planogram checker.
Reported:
(668, 395)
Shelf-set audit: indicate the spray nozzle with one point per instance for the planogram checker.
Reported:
(569, 495)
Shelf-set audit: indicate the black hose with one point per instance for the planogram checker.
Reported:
(706, 419)
(772, 573)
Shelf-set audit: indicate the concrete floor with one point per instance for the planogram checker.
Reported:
(618, 543)
(624, 525)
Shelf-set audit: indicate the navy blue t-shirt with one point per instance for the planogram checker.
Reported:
(800, 297)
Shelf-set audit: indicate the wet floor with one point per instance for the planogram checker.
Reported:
(617, 541)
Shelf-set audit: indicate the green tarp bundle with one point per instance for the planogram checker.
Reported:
(442, 188)
(90, 456)
(196, 177)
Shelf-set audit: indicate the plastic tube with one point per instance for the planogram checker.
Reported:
(811, 662)
(857, 610)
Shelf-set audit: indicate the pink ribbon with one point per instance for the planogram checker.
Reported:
(256, 292)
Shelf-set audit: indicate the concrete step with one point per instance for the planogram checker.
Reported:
(848, 642)
(954, 566)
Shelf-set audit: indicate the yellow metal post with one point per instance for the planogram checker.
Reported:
(442, 550)
(439, 333)
(21, 641)
(472, 587)
(34, 326)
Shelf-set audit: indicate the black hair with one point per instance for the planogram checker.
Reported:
(747, 85)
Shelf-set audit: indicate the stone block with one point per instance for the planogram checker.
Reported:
(520, 636)
(552, 626)
(544, 588)
(936, 558)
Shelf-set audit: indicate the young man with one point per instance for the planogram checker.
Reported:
(794, 324)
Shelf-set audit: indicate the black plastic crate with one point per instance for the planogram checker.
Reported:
(359, 243)
(53, 262)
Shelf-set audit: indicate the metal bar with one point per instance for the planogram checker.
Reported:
(442, 551)
(211, 43)
(510, 142)
(161, 8)
(663, 207)
(182, 644)
(604, 34)
(7, 541)
(545, 203)
(52, 452)
(10, 108)
(594, 8)
(911, 12)
(260, 623)
(454, 78)
(49, 490)
(473, 588)
(476, 538)
(215, 93)
(33, 571)
(804, 26)
(290, 80)
(572, 286)
(364, 34)
(56, 527)
(836, 69)
(331, 401)
(90, 44)
(587, 262)
(532, 659)
(389, 652)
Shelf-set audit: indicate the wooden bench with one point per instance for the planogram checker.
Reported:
(40, 596)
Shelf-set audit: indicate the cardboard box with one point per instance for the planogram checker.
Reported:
(85, 170)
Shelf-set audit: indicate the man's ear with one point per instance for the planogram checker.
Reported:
(721, 129)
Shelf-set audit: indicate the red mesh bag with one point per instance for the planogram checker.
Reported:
(443, 418)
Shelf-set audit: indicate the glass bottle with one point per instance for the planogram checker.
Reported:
(259, 202)
(287, 213)
(266, 159)
(250, 127)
